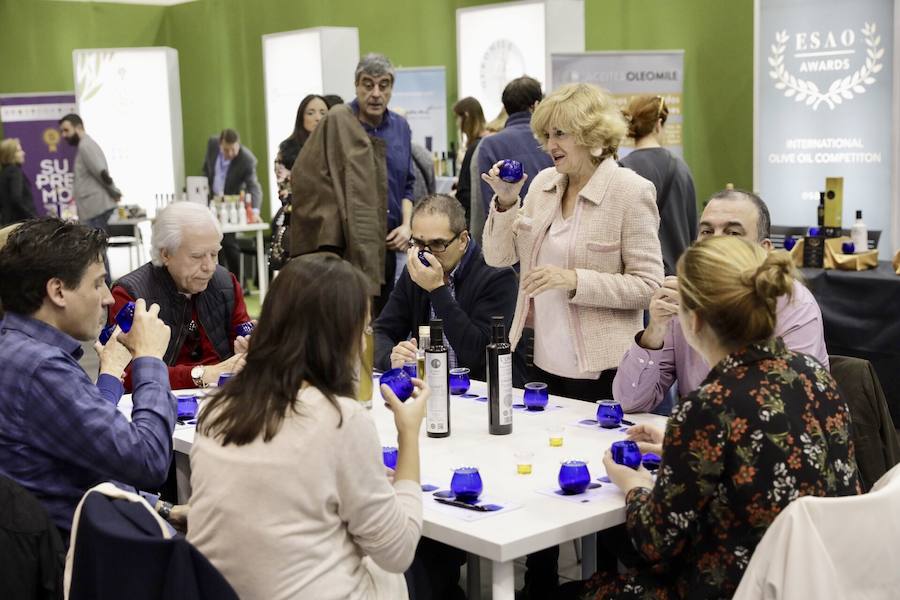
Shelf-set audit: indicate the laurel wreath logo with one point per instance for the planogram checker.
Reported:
(840, 89)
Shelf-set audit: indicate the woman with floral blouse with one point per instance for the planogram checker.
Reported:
(766, 426)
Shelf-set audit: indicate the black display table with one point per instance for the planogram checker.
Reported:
(861, 311)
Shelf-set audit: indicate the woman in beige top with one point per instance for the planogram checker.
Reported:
(290, 497)
(586, 240)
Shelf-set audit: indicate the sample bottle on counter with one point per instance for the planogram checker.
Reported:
(423, 342)
(820, 212)
(499, 380)
(859, 234)
(437, 411)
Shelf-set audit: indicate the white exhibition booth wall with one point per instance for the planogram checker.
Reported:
(130, 101)
(499, 42)
(329, 56)
(826, 105)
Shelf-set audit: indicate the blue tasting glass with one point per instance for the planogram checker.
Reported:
(789, 242)
(511, 171)
(626, 452)
(848, 248)
(651, 461)
(574, 477)
(410, 369)
(459, 381)
(244, 329)
(536, 395)
(422, 258)
(187, 407)
(124, 318)
(609, 413)
(466, 484)
(399, 382)
(389, 455)
(223, 378)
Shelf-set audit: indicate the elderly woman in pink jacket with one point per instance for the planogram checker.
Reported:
(586, 239)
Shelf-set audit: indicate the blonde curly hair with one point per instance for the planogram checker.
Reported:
(586, 112)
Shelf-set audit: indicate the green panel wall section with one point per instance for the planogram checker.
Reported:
(220, 56)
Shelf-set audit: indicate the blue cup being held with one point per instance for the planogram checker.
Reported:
(627, 453)
(511, 171)
(399, 382)
(124, 318)
(244, 329)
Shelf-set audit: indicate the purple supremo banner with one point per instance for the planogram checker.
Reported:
(49, 160)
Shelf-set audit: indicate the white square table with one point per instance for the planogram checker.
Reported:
(540, 522)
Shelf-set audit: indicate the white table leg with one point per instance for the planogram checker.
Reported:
(588, 555)
(261, 267)
(473, 576)
(503, 581)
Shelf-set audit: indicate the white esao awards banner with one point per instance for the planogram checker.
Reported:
(824, 108)
(628, 74)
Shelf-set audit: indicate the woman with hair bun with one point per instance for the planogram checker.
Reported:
(765, 427)
(675, 197)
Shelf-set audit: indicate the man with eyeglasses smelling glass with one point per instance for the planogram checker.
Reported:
(456, 286)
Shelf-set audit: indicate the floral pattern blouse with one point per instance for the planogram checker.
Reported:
(764, 428)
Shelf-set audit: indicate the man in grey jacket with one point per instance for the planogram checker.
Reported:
(95, 193)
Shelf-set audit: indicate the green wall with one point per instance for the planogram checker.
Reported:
(220, 56)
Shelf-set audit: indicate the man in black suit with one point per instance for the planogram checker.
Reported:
(230, 168)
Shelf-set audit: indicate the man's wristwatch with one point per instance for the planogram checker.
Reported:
(164, 509)
(197, 376)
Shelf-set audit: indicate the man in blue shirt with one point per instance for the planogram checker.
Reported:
(355, 167)
(60, 434)
(517, 142)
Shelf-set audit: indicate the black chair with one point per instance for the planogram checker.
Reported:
(875, 439)
(32, 554)
(119, 551)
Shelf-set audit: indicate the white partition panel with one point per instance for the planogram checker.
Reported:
(130, 100)
(499, 42)
(321, 60)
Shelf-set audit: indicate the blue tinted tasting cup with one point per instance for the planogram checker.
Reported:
(626, 452)
(459, 381)
(848, 248)
(125, 317)
(187, 407)
(399, 382)
(511, 171)
(536, 395)
(609, 413)
(574, 476)
(466, 484)
(244, 329)
(223, 378)
(389, 455)
(410, 369)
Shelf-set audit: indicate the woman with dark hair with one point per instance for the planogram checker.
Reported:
(470, 119)
(16, 203)
(290, 496)
(311, 110)
(675, 196)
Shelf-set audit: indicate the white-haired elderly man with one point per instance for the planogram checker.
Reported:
(199, 300)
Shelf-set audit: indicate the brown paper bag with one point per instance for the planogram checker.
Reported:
(836, 259)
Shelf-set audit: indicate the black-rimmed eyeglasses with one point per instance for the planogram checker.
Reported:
(434, 246)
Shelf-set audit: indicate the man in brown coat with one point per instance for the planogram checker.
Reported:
(352, 182)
